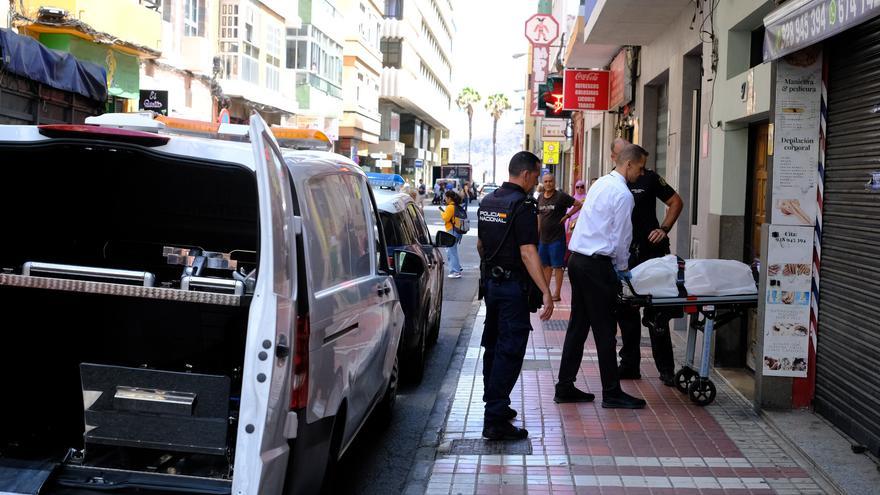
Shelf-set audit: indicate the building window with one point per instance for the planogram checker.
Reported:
(316, 52)
(229, 22)
(391, 53)
(394, 9)
(756, 56)
(273, 57)
(167, 7)
(191, 17)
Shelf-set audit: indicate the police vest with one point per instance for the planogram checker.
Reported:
(494, 216)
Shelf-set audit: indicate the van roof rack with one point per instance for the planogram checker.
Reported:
(288, 137)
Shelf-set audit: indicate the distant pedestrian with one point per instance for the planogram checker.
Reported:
(448, 214)
(552, 207)
(438, 191)
(510, 273)
(599, 260)
(422, 190)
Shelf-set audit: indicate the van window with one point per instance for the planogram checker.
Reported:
(422, 232)
(339, 246)
(283, 254)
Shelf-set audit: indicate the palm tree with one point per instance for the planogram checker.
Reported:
(496, 105)
(466, 101)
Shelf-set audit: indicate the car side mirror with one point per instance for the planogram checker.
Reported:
(408, 264)
(444, 239)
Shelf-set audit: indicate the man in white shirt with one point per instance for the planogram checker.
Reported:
(599, 258)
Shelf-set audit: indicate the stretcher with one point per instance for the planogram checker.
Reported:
(707, 315)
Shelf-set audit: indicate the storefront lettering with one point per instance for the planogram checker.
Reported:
(816, 21)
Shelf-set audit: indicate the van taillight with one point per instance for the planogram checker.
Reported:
(299, 393)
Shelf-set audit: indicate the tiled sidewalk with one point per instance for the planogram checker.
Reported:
(671, 447)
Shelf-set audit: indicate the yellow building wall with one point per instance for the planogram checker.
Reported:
(124, 19)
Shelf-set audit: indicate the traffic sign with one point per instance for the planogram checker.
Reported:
(542, 29)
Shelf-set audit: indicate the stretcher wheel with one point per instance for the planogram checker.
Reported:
(683, 379)
(702, 391)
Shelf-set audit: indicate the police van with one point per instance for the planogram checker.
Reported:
(186, 315)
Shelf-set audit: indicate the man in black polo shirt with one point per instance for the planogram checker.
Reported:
(650, 240)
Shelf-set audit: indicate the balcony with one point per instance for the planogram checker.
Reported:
(614, 22)
(317, 96)
(415, 95)
(128, 21)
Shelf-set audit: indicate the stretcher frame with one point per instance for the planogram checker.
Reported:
(705, 316)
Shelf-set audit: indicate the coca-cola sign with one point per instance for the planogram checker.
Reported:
(585, 90)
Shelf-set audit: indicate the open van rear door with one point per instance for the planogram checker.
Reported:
(261, 448)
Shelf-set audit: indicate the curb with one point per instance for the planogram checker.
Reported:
(417, 479)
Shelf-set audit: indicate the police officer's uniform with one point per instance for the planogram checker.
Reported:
(649, 188)
(506, 282)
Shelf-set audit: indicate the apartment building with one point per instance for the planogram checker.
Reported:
(314, 63)
(179, 82)
(361, 75)
(415, 96)
(253, 59)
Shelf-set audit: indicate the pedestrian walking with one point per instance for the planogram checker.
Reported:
(649, 240)
(552, 215)
(599, 260)
(466, 195)
(422, 191)
(513, 284)
(580, 194)
(438, 193)
(448, 214)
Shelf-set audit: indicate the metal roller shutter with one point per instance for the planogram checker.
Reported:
(848, 349)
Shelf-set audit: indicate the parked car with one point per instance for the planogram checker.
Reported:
(418, 273)
(222, 314)
(487, 189)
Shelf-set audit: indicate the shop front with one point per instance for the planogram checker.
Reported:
(825, 176)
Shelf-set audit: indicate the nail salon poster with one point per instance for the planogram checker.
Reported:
(787, 308)
(796, 140)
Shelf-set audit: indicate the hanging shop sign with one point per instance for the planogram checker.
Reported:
(787, 305)
(153, 100)
(542, 29)
(553, 129)
(551, 152)
(796, 138)
(585, 90)
(620, 87)
(798, 24)
(540, 64)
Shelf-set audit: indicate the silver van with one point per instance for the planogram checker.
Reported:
(186, 315)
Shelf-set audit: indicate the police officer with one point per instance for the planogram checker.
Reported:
(649, 241)
(510, 271)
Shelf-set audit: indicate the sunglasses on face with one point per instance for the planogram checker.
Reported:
(578, 187)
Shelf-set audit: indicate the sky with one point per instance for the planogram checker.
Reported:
(489, 33)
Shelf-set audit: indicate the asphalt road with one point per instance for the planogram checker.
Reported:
(379, 461)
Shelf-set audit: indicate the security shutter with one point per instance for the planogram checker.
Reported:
(848, 349)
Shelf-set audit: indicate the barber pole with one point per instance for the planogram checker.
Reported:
(804, 389)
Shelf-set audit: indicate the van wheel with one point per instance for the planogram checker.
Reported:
(385, 409)
(414, 368)
(329, 483)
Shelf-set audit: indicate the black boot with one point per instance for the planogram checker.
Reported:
(566, 393)
(504, 431)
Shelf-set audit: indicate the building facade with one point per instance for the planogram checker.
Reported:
(181, 78)
(118, 36)
(252, 59)
(769, 133)
(315, 64)
(415, 90)
(361, 76)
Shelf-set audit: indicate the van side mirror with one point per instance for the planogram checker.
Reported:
(444, 239)
(408, 263)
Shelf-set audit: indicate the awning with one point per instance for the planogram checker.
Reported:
(26, 57)
(800, 23)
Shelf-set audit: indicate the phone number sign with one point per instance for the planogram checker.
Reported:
(789, 31)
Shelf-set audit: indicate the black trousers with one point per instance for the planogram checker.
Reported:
(629, 319)
(631, 325)
(505, 338)
(594, 289)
